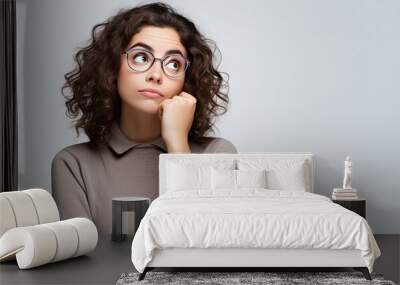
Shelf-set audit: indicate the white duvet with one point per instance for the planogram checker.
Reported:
(251, 218)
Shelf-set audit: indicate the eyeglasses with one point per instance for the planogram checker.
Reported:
(141, 60)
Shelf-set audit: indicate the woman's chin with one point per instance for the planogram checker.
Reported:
(149, 107)
(144, 106)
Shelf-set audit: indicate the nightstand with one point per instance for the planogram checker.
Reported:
(358, 206)
(121, 205)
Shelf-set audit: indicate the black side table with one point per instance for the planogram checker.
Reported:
(358, 206)
(139, 205)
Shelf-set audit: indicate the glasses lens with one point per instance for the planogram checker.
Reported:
(175, 65)
(139, 60)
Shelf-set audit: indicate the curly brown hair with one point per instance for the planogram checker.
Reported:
(93, 81)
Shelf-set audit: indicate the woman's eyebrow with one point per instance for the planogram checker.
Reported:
(146, 46)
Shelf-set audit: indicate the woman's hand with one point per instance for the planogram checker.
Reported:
(176, 116)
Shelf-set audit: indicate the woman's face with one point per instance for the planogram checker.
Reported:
(130, 82)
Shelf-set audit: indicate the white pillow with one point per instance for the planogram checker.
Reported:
(223, 179)
(181, 177)
(282, 174)
(255, 178)
(186, 175)
(237, 179)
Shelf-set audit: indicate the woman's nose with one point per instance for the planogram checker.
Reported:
(155, 72)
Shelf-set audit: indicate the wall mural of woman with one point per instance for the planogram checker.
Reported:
(145, 84)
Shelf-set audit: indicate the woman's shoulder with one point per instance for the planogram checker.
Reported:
(75, 152)
(214, 145)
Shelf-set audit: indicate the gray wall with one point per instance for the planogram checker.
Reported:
(314, 76)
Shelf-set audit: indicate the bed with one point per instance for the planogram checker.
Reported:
(247, 210)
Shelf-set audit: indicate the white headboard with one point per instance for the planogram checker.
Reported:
(164, 158)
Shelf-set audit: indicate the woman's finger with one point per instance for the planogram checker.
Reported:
(161, 107)
(187, 96)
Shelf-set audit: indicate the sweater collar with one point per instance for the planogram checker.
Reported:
(120, 143)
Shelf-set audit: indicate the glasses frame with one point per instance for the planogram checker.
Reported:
(129, 50)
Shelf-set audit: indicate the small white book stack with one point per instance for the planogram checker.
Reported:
(344, 194)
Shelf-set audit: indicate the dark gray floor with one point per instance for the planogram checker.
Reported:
(389, 262)
(110, 259)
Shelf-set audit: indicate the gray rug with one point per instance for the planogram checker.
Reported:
(229, 278)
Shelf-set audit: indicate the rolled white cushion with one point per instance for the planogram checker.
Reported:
(45, 206)
(33, 245)
(66, 237)
(7, 218)
(87, 233)
(23, 208)
(26, 208)
(45, 243)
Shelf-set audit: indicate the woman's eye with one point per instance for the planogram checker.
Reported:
(140, 58)
(174, 64)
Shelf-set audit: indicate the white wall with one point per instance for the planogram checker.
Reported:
(315, 76)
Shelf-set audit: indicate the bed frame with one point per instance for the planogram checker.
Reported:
(244, 259)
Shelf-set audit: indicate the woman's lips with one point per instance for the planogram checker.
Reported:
(150, 93)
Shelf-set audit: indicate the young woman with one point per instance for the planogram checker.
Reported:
(144, 85)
